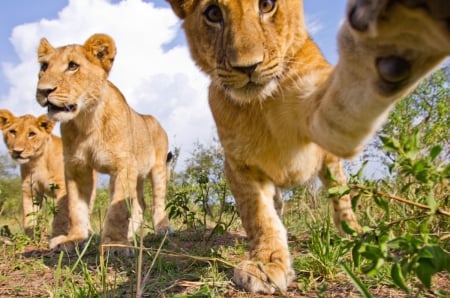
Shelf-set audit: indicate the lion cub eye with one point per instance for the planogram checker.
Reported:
(266, 6)
(31, 134)
(213, 14)
(72, 66)
(44, 66)
(12, 132)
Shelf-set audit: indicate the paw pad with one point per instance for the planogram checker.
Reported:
(393, 69)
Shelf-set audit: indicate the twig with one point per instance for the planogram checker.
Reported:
(399, 199)
(154, 260)
(166, 253)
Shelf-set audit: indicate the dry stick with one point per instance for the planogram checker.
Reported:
(400, 199)
(167, 253)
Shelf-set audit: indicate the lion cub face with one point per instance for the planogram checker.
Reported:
(244, 46)
(68, 75)
(25, 136)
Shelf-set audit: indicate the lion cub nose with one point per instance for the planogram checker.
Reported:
(248, 70)
(16, 153)
(45, 92)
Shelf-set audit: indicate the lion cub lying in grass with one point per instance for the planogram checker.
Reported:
(101, 132)
(30, 142)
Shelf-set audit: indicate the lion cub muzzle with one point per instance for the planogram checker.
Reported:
(42, 95)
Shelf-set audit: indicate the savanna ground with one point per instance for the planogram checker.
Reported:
(192, 262)
(403, 250)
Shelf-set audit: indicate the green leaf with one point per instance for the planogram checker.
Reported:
(357, 282)
(356, 255)
(347, 229)
(339, 190)
(425, 270)
(439, 258)
(390, 144)
(382, 203)
(398, 278)
(434, 152)
(374, 268)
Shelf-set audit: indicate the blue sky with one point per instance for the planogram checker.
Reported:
(152, 68)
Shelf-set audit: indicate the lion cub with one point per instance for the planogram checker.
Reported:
(30, 142)
(284, 114)
(101, 132)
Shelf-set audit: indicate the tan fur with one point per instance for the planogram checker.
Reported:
(101, 132)
(30, 142)
(283, 114)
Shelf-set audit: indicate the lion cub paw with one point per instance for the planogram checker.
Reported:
(117, 248)
(258, 277)
(64, 243)
(164, 229)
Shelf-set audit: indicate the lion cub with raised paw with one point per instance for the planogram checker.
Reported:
(32, 145)
(101, 132)
(283, 114)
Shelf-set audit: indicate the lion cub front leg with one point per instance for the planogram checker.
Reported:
(61, 222)
(124, 214)
(332, 174)
(269, 268)
(80, 184)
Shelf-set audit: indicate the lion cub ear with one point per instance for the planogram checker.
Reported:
(101, 50)
(44, 47)
(182, 8)
(43, 122)
(6, 118)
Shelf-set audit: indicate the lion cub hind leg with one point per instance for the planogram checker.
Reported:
(269, 268)
(332, 174)
(124, 205)
(159, 177)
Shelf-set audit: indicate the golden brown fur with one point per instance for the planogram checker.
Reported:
(30, 142)
(101, 132)
(283, 114)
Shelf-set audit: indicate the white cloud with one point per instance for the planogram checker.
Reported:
(165, 84)
(313, 23)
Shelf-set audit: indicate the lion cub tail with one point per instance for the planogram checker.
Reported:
(169, 160)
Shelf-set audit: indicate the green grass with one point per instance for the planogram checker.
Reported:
(188, 263)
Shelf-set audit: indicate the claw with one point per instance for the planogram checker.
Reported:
(365, 12)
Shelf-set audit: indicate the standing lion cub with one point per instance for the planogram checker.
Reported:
(283, 114)
(30, 143)
(101, 132)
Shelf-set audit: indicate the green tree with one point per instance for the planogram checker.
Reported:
(200, 195)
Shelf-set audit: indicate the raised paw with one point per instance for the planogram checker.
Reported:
(401, 40)
(258, 277)
(362, 14)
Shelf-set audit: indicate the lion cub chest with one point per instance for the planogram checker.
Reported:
(267, 136)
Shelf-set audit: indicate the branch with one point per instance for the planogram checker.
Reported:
(399, 199)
